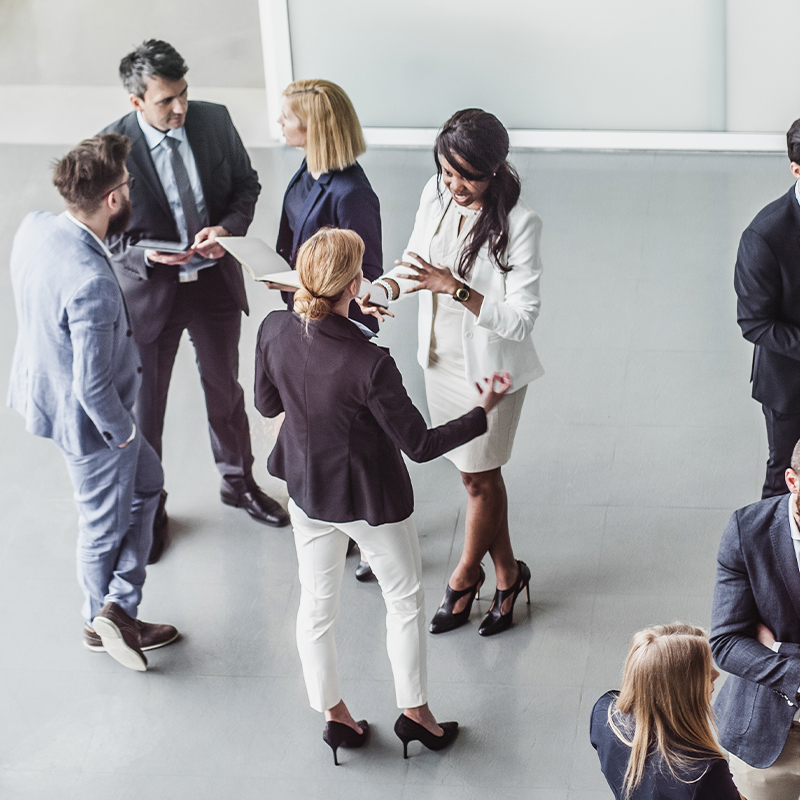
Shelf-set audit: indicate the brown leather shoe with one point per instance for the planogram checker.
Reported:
(120, 636)
(151, 635)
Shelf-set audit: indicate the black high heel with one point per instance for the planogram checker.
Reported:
(444, 619)
(337, 734)
(497, 622)
(409, 731)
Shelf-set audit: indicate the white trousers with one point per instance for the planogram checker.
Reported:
(393, 553)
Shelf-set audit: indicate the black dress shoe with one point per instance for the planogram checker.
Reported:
(364, 572)
(337, 734)
(409, 731)
(496, 621)
(160, 530)
(445, 619)
(257, 504)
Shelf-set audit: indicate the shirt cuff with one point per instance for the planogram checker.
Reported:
(131, 437)
(776, 646)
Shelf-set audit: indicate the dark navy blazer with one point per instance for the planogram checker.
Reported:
(340, 199)
(347, 419)
(767, 282)
(758, 580)
(708, 780)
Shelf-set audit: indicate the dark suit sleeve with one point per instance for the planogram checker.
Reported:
(399, 417)
(267, 399)
(734, 617)
(359, 210)
(245, 187)
(758, 285)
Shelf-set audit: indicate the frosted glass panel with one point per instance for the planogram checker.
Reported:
(561, 64)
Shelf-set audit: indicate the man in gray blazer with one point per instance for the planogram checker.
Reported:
(755, 636)
(75, 376)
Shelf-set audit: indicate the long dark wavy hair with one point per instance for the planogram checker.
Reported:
(475, 143)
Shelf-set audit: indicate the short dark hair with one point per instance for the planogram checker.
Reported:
(151, 58)
(793, 141)
(90, 170)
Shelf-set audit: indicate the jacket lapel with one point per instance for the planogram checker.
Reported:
(311, 200)
(199, 142)
(146, 170)
(786, 557)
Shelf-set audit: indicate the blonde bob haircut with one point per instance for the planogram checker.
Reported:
(663, 709)
(334, 139)
(326, 264)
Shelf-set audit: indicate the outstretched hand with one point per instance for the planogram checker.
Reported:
(379, 312)
(493, 390)
(435, 279)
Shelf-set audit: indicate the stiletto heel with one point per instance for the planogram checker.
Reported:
(409, 731)
(444, 619)
(337, 734)
(496, 621)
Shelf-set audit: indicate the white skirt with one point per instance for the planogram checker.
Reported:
(450, 395)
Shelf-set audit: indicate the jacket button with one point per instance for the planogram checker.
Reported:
(468, 335)
(139, 370)
(129, 332)
(107, 435)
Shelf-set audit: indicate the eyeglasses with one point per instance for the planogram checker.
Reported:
(129, 183)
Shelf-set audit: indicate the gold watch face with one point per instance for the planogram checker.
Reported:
(462, 294)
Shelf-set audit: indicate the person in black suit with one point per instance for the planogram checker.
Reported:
(655, 737)
(755, 636)
(767, 282)
(330, 189)
(194, 182)
(339, 450)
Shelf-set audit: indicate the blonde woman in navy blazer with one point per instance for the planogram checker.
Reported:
(330, 189)
(485, 299)
(347, 418)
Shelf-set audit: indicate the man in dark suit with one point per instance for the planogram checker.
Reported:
(74, 379)
(194, 182)
(767, 282)
(755, 636)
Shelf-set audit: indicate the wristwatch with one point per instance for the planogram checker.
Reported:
(462, 293)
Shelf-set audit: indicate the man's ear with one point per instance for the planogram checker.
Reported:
(792, 481)
(794, 168)
(136, 101)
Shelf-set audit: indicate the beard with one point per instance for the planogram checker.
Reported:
(119, 222)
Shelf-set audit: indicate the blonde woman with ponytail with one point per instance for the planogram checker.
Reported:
(656, 737)
(347, 419)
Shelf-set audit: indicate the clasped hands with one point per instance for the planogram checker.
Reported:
(205, 244)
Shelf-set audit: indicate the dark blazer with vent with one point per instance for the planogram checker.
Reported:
(758, 580)
(347, 419)
(340, 199)
(230, 188)
(767, 282)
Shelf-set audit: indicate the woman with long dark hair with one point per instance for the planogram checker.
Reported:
(474, 259)
(656, 737)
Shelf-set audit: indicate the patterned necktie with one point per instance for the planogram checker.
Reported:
(190, 212)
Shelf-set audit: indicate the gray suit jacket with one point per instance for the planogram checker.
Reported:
(75, 372)
(758, 580)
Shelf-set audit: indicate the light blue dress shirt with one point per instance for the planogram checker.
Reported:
(160, 152)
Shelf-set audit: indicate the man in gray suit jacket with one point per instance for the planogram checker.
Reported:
(75, 376)
(755, 636)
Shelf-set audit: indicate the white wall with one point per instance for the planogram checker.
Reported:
(542, 64)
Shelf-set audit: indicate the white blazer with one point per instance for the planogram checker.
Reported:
(500, 337)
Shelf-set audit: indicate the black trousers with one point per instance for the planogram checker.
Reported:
(783, 433)
(205, 308)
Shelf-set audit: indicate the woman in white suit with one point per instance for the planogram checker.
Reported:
(474, 258)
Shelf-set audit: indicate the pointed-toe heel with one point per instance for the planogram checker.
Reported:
(444, 619)
(497, 622)
(337, 734)
(409, 731)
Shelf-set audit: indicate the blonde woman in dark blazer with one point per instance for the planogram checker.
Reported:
(339, 450)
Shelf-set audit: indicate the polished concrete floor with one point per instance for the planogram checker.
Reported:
(632, 451)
